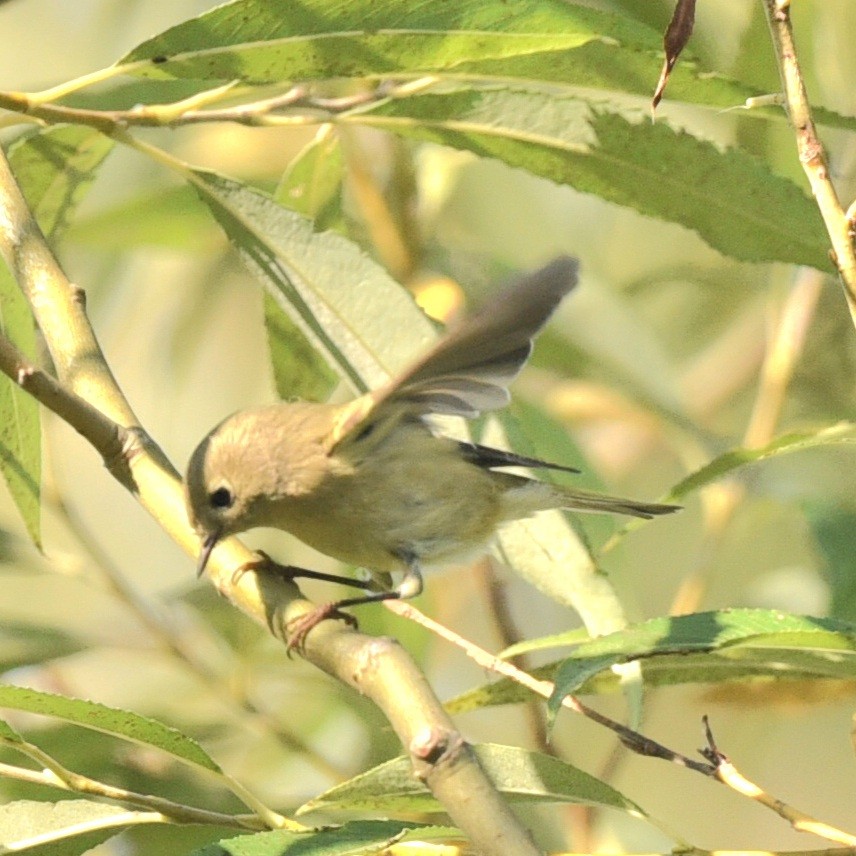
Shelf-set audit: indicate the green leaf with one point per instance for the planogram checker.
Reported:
(298, 369)
(622, 72)
(311, 186)
(55, 169)
(63, 828)
(545, 643)
(736, 643)
(313, 183)
(565, 45)
(730, 198)
(9, 733)
(362, 321)
(261, 41)
(360, 838)
(522, 776)
(20, 430)
(841, 433)
(127, 92)
(502, 691)
(118, 723)
(710, 647)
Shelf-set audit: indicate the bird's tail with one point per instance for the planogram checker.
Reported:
(528, 496)
(578, 500)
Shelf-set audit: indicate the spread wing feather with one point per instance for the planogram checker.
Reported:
(469, 370)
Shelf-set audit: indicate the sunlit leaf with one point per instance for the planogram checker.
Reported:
(258, 41)
(20, 431)
(311, 186)
(358, 838)
(569, 46)
(842, 433)
(364, 323)
(55, 169)
(63, 828)
(564, 44)
(119, 723)
(521, 775)
(730, 198)
(704, 648)
(750, 641)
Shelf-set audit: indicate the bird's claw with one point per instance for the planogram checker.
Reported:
(298, 628)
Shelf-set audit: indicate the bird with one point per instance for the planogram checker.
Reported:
(373, 482)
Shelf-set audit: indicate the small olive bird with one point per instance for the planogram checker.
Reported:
(370, 482)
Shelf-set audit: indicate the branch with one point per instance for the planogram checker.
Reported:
(811, 152)
(729, 775)
(297, 106)
(88, 394)
(633, 740)
(55, 776)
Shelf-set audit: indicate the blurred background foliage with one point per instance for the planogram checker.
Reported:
(653, 368)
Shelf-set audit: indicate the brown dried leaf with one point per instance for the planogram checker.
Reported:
(677, 35)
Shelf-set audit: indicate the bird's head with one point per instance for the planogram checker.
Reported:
(252, 467)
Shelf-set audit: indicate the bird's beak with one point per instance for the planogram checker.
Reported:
(208, 545)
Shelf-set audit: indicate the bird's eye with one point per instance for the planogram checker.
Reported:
(221, 498)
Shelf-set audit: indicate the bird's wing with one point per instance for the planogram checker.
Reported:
(469, 370)
(488, 458)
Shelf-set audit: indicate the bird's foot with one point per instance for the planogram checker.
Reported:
(299, 627)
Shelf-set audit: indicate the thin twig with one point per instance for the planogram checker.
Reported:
(633, 740)
(810, 149)
(498, 610)
(729, 775)
(296, 106)
(55, 776)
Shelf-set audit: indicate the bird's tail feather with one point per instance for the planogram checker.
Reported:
(530, 496)
(577, 500)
